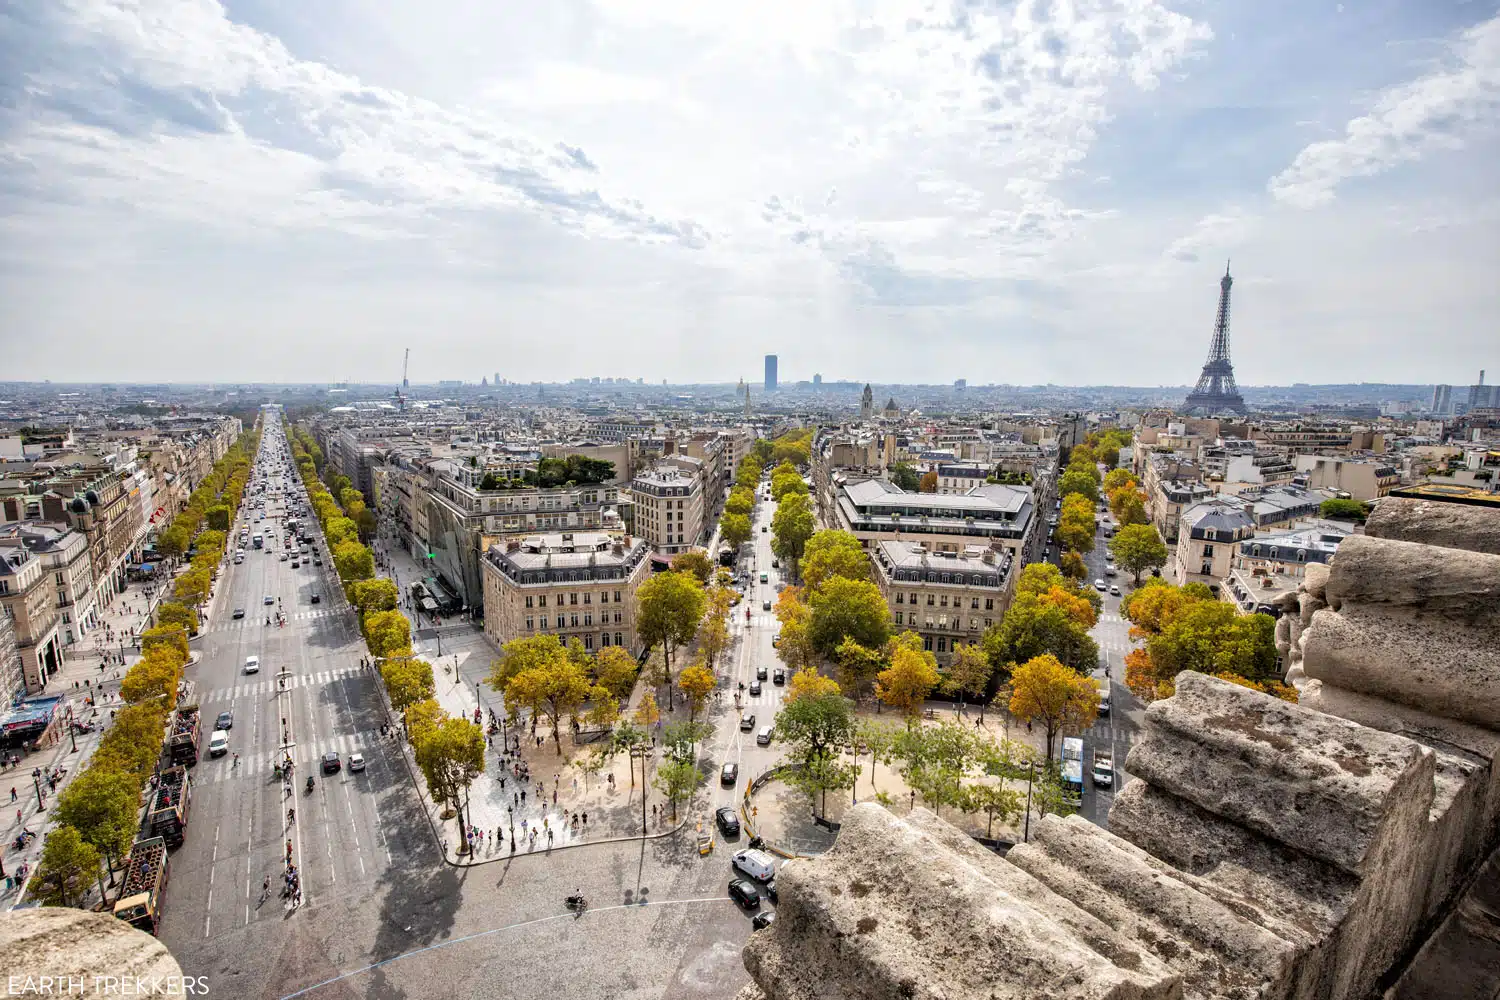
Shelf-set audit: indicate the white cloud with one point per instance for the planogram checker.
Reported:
(1437, 111)
(1219, 232)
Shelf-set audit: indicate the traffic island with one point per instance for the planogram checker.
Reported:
(779, 814)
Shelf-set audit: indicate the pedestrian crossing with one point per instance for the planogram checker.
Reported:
(260, 685)
(1105, 733)
(259, 621)
(305, 758)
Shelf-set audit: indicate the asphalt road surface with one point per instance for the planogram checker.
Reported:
(381, 915)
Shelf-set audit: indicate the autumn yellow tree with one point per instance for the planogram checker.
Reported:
(910, 678)
(697, 683)
(808, 683)
(1044, 690)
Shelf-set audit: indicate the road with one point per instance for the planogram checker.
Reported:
(382, 916)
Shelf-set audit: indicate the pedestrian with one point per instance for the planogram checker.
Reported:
(549, 837)
(523, 796)
(575, 786)
(585, 819)
(554, 796)
(515, 798)
(13, 795)
(502, 783)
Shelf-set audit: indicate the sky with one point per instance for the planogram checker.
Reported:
(896, 191)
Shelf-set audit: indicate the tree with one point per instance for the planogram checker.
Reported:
(787, 481)
(762, 451)
(192, 587)
(669, 607)
(910, 678)
(68, 865)
(677, 780)
(378, 594)
(1137, 548)
(741, 501)
(353, 562)
(604, 707)
(407, 682)
(904, 476)
(536, 651)
(808, 683)
(1038, 623)
(1073, 566)
(969, 674)
(1079, 482)
(713, 632)
(878, 739)
(614, 670)
(795, 645)
(553, 689)
(929, 482)
(994, 801)
(694, 562)
(734, 529)
(816, 730)
(387, 633)
(1129, 506)
(100, 804)
(1115, 479)
(697, 683)
(1075, 533)
(1185, 628)
(451, 756)
(1344, 510)
(170, 614)
(167, 637)
(1044, 690)
(848, 609)
(217, 517)
(831, 554)
(646, 713)
(791, 527)
(858, 666)
(935, 760)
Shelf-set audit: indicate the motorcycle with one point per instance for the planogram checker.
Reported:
(309, 784)
(577, 904)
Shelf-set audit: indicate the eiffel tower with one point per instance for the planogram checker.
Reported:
(1216, 391)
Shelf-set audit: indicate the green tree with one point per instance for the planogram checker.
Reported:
(904, 476)
(741, 501)
(910, 678)
(1035, 624)
(378, 594)
(1044, 690)
(1117, 478)
(697, 683)
(1080, 482)
(166, 637)
(848, 609)
(858, 666)
(68, 865)
(677, 780)
(734, 529)
(816, 730)
(100, 803)
(833, 553)
(614, 670)
(879, 740)
(994, 802)
(451, 756)
(968, 676)
(936, 759)
(551, 690)
(791, 527)
(1137, 548)
(1128, 506)
(713, 631)
(786, 481)
(218, 517)
(170, 614)
(694, 562)
(1344, 510)
(407, 681)
(762, 451)
(1073, 566)
(669, 608)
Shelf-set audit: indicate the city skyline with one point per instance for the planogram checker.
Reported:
(1026, 196)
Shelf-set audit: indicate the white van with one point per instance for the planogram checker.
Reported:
(764, 736)
(218, 743)
(252, 664)
(757, 864)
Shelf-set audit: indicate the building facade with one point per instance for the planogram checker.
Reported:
(569, 584)
(876, 510)
(28, 601)
(668, 503)
(948, 598)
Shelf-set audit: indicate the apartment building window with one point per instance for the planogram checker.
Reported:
(572, 598)
(588, 598)
(944, 601)
(927, 643)
(60, 580)
(973, 604)
(989, 605)
(575, 621)
(562, 621)
(588, 642)
(619, 639)
(898, 618)
(541, 601)
(988, 622)
(929, 621)
(617, 617)
(942, 645)
(603, 638)
(528, 600)
(588, 620)
(973, 623)
(932, 599)
(529, 625)
(913, 599)
(1208, 550)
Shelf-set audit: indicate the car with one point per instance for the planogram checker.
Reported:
(764, 578)
(762, 529)
(296, 564)
(778, 676)
(755, 687)
(317, 560)
(218, 743)
(729, 774)
(317, 598)
(356, 762)
(743, 892)
(331, 763)
(284, 557)
(729, 823)
(760, 673)
(238, 560)
(1114, 589)
(747, 722)
(757, 864)
(776, 640)
(762, 920)
(252, 664)
(239, 612)
(269, 600)
(765, 605)
(1099, 586)
(225, 720)
(775, 563)
(771, 889)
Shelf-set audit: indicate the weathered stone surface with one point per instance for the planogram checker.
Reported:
(61, 942)
(1307, 780)
(1463, 586)
(1424, 661)
(1315, 578)
(1462, 960)
(1450, 525)
(878, 918)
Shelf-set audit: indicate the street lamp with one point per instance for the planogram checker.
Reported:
(1030, 770)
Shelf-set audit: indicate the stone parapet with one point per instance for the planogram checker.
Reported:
(1266, 850)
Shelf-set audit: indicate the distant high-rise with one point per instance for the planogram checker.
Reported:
(770, 372)
(960, 383)
(1481, 395)
(1216, 391)
(1442, 400)
(817, 379)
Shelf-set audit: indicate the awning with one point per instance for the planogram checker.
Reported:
(147, 567)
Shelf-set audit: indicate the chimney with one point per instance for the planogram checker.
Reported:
(988, 557)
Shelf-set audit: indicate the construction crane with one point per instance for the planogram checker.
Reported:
(400, 394)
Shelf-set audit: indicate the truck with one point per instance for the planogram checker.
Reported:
(140, 898)
(1072, 768)
(168, 815)
(1104, 769)
(182, 745)
(1104, 687)
(259, 540)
